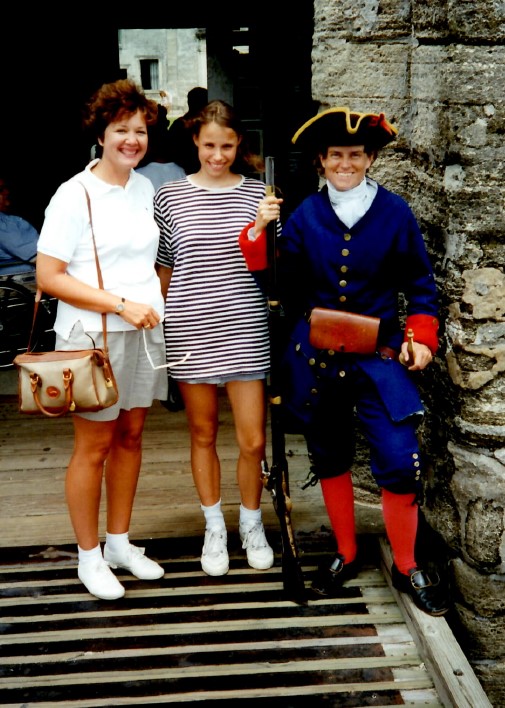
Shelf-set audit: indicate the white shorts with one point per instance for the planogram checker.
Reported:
(138, 383)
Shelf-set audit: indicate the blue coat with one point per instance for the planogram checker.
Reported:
(369, 269)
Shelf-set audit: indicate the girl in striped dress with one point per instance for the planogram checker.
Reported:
(215, 310)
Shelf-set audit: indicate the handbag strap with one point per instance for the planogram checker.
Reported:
(98, 269)
(38, 294)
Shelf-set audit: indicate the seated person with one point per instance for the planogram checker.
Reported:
(18, 238)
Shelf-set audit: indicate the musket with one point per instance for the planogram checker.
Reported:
(276, 477)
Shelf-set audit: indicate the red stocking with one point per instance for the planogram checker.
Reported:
(400, 519)
(338, 495)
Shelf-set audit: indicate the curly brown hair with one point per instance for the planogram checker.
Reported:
(223, 114)
(113, 101)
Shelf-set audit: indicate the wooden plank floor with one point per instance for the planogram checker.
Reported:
(34, 453)
(188, 637)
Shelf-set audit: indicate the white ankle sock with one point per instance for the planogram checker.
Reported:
(213, 515)
(249, 517)
(117, 541)
(90, 556)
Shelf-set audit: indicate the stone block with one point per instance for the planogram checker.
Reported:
(369, 18)
(491, 675)
(485, 594)
(478, 489)
(429, 19)
(480, 637)
(474, 20)
(448, 72)
(473, 211)
(461, 20)
(369, 73)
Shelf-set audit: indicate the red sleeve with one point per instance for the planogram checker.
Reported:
(254, 252)
(425, 328)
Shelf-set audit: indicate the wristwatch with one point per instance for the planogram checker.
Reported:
(120, 307)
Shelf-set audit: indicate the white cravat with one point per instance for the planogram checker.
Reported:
(352, 204)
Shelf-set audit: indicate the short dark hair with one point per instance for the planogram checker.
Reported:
(197, 98)
(113, 101)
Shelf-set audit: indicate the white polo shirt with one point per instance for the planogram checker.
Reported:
(127, 241)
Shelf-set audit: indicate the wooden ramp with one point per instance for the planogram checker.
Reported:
(188, 638)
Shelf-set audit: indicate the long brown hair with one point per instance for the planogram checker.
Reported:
(224, 115)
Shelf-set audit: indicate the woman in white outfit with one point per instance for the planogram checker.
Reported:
(108, 442)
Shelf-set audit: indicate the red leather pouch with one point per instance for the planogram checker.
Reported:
(344, 332)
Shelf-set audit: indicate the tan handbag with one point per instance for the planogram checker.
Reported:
(344, 332)
(59, 382)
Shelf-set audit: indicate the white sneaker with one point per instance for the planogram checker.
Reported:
(100, 581)
(259, 554)
(134, 560)
(214, 558)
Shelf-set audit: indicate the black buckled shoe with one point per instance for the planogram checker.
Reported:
(427, 595)
(329, 579)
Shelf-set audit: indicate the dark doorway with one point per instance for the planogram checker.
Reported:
(50, 70)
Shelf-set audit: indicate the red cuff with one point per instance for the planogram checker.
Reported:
(425, 328)
(254, 252)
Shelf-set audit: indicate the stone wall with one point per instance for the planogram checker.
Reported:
(437, 70)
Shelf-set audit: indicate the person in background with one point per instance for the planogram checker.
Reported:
(18, 238)
(356, 247)
(156, 165)
(215, 310)
(109, 442)
(166, 99)
(181, 148)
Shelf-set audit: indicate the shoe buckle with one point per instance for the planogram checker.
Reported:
(423, 581)
(337, 566)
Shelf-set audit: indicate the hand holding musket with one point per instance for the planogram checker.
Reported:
(414, 355)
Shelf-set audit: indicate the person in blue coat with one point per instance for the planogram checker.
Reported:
(355, 247)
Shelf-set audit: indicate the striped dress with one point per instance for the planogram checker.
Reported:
(214, 308)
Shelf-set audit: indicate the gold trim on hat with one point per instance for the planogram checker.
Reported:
(380, 118)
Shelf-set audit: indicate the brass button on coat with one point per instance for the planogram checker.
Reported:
(345, 251)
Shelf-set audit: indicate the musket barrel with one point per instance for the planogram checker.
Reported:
(269, 174)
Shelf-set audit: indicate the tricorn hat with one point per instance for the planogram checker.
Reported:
(341, 126)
